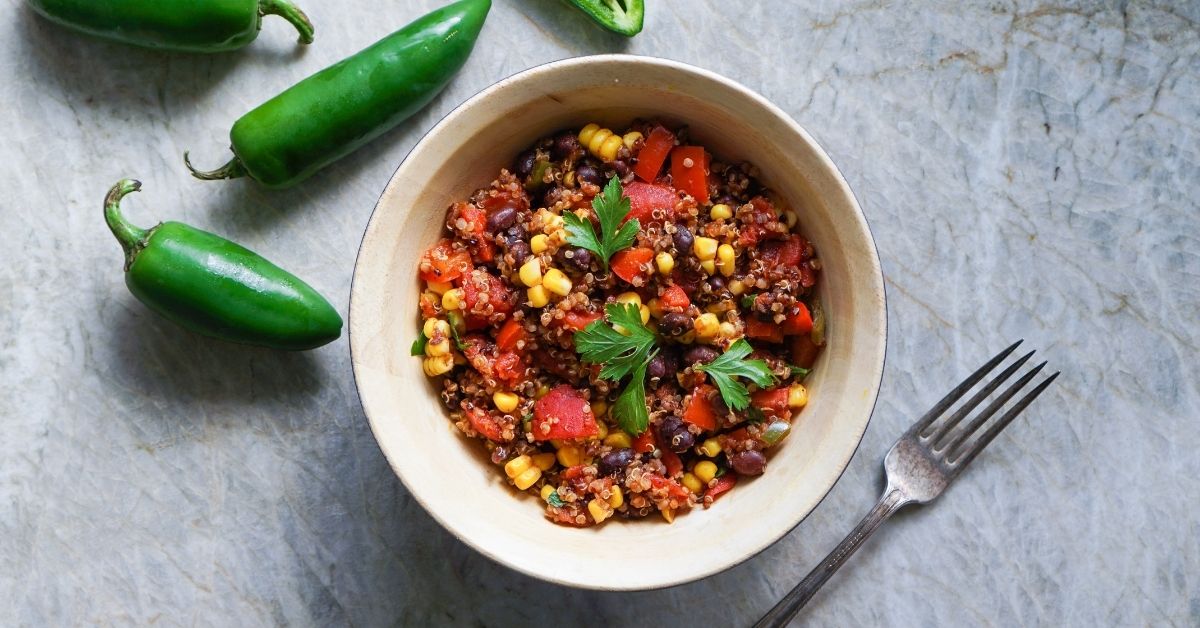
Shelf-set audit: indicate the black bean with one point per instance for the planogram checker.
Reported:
(751, 462)
(614, 462)
(673, 433)
(622, 168)
(523, 165)
(700, 353)
(550, 196)
(520, 251)
(674, 324)
(502, 218)
(580, 259)
(590, 172)
(564, 144)
(716, 284)
(683, 240)
(662, 366)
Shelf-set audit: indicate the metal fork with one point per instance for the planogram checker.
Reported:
(923, 463)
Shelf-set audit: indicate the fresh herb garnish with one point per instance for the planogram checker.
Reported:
(725, 370)
(755, 416)
(748, 301)
(621, 354)
(799, 372)
(456, 322)
(418, 345)
(611, 207)
(554, 500)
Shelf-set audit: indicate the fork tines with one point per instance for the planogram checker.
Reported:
(949, 441)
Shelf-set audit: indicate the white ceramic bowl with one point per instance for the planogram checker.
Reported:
(451, 476)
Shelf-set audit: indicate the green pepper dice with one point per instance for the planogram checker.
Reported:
(337, 110)
(180, 25)
(217, 288)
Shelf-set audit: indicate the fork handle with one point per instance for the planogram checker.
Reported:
(786, 609)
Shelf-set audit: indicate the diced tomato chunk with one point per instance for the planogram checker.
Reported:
(674, 297)
(671, 460)
(475, 218)
(699, 410)
(782, 253)
(721, 485)
(804, 351)
(572, 473)
(578, 321)
(644, 443)
(675, 490)
(627, 264)
(510, 334)
(650, 159)
(485, 424)
(773, 402)
(444, 264)
(564, 414)
(689, 171)
(798, 321)
(763, 330)
(761, 213)
(500, 296)
(644, 198)
(508, 367)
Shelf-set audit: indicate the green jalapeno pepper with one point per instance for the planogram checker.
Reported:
(182, 25)
(618, 16)
(217, 288)
(337, 110)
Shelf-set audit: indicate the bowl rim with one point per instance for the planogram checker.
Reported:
(670, 64)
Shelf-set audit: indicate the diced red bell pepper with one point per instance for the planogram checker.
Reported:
(572, 473)
(721, 485)
(500, 296)
(627, 264)
(475, 218)
(781, 253)
(699, 410)
(578, 321)
(485, 424)
(644, 443)
(508, 367)
(445, 264)
(671, 460)
(754, 227)
(763, 330)
(650, 159)
(510, 334)
(798, 321)
(693, 178)
(773, 402)
(674, 297)
(675, 490)
(485, 251)
(644, 198)
(563, 414)
(804, 351)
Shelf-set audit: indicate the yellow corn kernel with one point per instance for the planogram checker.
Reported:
(557, 443)
(599, 407)
(629, 297)
(704, 248)
(721, 211)
(665, 263)
(539, 243)
(547, 491)
(544, 461)
(542, 391)
(797, 396)
(707, 325)
(655, 308)
(531, 272)
(440, 287)
(693, 483)
(552, 223)
(570, 455)
(586, 133)
(538, 297)
(597, 140)
(437, 349)
(435, 326)
(453, 299)
(505, 401)
(440, 365)
(737, 287)
(726, 259)
(668, 515)
(616, 497)
(555, 281)
(705, 470)
(608, 150)
(631, 138)
(528, 478)
(790, 219)
(727, 330)
(709, 266)
(711, 447)
(517, 465)
(688, 338)
(601, 430)
(599, 510)
(618, 440)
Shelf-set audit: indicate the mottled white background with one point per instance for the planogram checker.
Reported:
(1029, 170)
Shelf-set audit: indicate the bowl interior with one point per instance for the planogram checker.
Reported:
(450, 475)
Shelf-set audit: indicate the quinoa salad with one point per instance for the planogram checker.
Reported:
(623, 320)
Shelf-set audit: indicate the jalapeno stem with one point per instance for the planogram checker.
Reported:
(290, 12)
(231, 170)
(132, 238)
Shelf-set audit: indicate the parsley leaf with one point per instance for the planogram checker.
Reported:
(725, 370)
(554, 500)
(457, 322)
(418, 345)
(621, 355)
(611, 207)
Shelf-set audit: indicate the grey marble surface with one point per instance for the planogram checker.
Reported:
(1029, 170)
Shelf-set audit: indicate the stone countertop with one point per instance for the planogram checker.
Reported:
(1029, 170)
